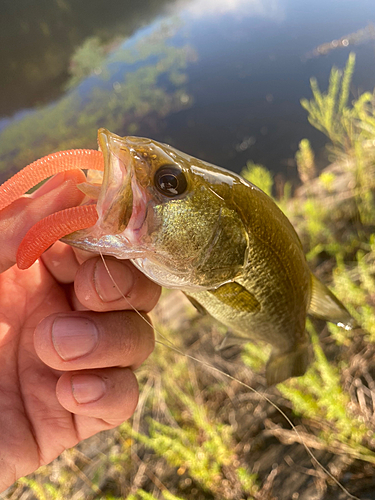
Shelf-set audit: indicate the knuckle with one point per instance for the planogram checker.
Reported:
(136, 336)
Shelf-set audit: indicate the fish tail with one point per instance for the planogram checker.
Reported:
(290, 364)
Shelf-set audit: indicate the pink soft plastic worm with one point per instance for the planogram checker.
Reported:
(41, 169)
(50, 229)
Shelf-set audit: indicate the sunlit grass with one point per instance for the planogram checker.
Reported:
(181, 443)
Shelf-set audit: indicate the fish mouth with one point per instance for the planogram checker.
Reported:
(122, 205)
(115, 202)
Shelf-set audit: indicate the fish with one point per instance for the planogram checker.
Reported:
(192, 226)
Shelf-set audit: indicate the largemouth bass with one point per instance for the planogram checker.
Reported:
(192, 226)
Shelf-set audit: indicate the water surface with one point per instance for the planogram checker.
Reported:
(220, 79)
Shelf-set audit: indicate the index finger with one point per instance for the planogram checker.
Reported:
(115, 285)
(15, 220)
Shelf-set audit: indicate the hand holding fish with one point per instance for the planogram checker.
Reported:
(189, 225)
(68, 344)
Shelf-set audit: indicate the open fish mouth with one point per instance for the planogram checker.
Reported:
(121, 203)
(115, 201)
(112, 215)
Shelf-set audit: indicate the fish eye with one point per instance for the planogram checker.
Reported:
(170, 180)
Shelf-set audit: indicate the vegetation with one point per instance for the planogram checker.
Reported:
(52, 34)
(201, 435)
(305, 160)
(152, 87)
(335, 215)
(259, 176)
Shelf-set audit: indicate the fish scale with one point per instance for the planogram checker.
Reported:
(192, 226)
(227, 245)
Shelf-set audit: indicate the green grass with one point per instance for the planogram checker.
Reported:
(188, 439)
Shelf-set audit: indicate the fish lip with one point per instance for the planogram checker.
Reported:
(103, 135)
(119, 154)
(115, 201)
(123, 205)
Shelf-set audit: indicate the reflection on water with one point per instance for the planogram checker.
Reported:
(363, 35)
(262, 8)
(145, 79)
(38, 39)
(219, 79)
(88, 59)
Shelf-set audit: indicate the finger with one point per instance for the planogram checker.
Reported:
(99, 290)
(18, 218)
(63, 261)
(83, 255)
(84, 339)
(60, 260)
(110, 394)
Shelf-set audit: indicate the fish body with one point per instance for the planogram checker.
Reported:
(196, 227)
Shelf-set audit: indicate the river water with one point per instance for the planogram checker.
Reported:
(219, 79)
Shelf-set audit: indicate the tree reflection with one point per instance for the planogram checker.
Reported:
(38, 39)
(142, 82)
(87, 59)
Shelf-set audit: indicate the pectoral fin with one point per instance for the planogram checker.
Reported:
(291, 364)
(230, 340)
(237, 297)
(324, 305)
(196, 304)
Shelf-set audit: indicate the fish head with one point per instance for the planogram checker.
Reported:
(170, 213)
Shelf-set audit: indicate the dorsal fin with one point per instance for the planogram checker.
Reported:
(324, 305)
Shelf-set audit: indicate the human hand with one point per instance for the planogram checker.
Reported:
(68, 341)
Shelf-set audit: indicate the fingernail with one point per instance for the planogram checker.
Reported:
(52, 183)
(48, 185)
(106, 287)
(74, 337)
(87, 388)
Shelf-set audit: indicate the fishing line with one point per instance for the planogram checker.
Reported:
(170, 345)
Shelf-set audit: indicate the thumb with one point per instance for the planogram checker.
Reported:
(56, 194)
